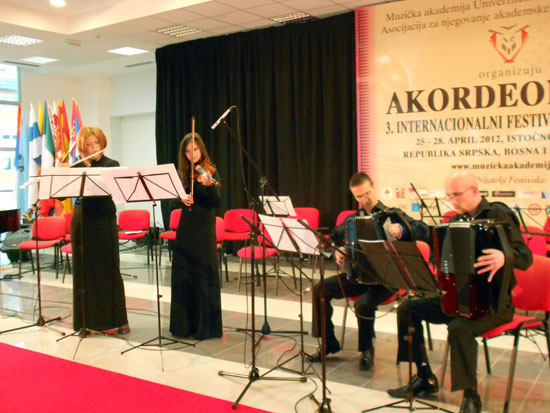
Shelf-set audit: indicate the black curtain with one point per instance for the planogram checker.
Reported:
(294, 87)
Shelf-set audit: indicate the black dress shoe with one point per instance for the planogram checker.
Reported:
(367, 359)
(420, 386)
(316, 358)
(470, 405)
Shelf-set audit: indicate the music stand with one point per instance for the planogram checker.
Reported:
(61, 183)
(153, 183)
(289, 235)
(278, 206)
(400, 265)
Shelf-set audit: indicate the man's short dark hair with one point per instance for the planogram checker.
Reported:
(359, 178)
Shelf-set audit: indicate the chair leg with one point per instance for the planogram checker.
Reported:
(344, 324)
(32, 260)
(240, 269)
(57, 254)
(511, 370)
(445, 359)
(65, 268)
(430, 343)
(224, 255)
(487, 360)
(160, 253)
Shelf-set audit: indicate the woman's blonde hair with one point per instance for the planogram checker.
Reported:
(84, 133)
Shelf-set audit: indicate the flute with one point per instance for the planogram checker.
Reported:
(87, 157)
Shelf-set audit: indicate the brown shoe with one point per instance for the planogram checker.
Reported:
(125, 329)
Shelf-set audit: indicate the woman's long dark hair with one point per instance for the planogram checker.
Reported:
(184, 166)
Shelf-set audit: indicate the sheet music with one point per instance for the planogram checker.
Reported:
(66, 182)
(281, 207)
(162, 181)
(303, 237)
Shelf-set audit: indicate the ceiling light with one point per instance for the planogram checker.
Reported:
(39, 60)
(58, 3)
(291, 17)
(19, 40)
(178, 30)
(127, 51)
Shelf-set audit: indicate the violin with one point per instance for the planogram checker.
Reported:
(206, 170)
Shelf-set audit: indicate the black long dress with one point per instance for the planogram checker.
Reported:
(195, 310)
(94, 226)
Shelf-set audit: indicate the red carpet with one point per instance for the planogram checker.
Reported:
(35, 382)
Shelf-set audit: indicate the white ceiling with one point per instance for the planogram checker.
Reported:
(101, 25)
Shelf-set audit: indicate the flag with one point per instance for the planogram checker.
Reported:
(64, 133)
(35, 154)
(22, 158)
(76, 124)
(64, 127)
(48, 146)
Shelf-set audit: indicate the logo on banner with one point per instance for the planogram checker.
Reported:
(528, 194)
(504, 194)
(534, 209)
(400, 193)
(388, 193)
(546, 194)
(508, 41)
(484, 193)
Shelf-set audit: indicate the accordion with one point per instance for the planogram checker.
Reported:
(457, 247)
(367, 227)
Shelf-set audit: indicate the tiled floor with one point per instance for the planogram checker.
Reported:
(196, 368)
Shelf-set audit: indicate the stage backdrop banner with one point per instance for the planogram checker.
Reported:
(449, 85)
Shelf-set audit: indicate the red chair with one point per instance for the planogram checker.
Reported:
(531, 293)
(447, 215)
(343, 215)
(220, 228)
(170, 235)
(258, 251)
(236, 228)
(134, 224)
(308, 214)
(66, 249)
(68, 217)
(47, 232)
(536, 243)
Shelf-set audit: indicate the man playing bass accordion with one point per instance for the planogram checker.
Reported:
(494, 266)
(353, 284)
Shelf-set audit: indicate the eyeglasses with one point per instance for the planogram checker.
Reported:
(456, 195)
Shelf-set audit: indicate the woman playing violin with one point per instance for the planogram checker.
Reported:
(195, 309)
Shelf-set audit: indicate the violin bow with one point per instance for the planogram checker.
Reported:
(192, 152)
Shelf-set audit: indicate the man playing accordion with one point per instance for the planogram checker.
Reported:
(495, 265)
(340, 286)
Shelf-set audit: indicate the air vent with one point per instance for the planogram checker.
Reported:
(20, 64)
(139, 64)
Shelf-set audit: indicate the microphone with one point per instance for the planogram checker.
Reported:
(222, 117)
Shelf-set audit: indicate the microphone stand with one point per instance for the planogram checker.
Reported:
(253, 374)
(41, 321)
(266, 329)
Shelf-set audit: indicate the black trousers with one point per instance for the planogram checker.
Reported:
(462, 334)
(370, 297)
